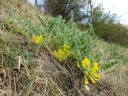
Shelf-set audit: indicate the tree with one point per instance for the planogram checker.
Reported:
(107, 26)
(65, 7)
(102, 21)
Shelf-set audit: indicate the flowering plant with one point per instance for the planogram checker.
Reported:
(37, 39)
(62, 54)
(91, 71)
(57, 32)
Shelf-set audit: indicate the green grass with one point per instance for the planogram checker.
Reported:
(52, 77)
(117, 76)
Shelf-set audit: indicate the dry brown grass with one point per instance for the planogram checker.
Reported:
(52, 79)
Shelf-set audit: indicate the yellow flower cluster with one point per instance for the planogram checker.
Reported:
(90, 72)
(62, 54)
(37, 39)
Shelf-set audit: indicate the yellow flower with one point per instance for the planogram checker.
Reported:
(86, 73)
(94, 76)
(85, 63)
(55, 54)
(86, 80)
(96, 68)
(97, 77)
(63, 53)
(58, 56)
(93, 81)
(37, 39)
(91, 73)
(66, 49)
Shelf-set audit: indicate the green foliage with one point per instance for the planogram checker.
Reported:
(41, 20)
(62, 33)
(7, 22)
(29, 29)
(20, 21)
(109, 65)
(108, 27)
(12, 57)
(26, 58)
(30, 84)
(10, 25)
(97, 57)
(68, 41)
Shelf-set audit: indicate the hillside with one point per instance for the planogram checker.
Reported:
(29, 66)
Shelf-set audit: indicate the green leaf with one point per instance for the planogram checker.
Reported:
(41, 20)
(108, 65)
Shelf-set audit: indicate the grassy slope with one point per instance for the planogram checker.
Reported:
(48, 77)
(117, 76)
